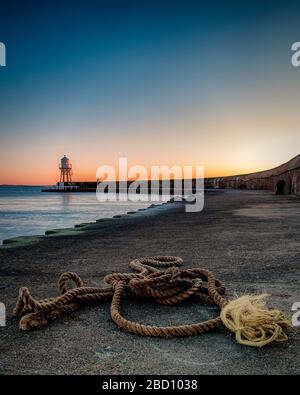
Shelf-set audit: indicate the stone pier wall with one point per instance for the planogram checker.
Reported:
(283, 179)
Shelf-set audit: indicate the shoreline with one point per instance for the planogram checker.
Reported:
(79, 228)
(248, 239)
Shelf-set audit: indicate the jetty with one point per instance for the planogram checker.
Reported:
(283, 179)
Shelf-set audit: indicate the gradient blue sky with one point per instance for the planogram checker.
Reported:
(159, 82)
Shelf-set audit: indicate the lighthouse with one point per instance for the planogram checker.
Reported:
(65, 168)
(65, 184)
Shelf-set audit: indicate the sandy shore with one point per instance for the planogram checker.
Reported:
(250, 240)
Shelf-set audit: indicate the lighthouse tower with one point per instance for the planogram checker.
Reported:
(65, 170)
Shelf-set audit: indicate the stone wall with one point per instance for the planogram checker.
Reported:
(282, 179)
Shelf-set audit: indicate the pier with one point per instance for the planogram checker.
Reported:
(284, 179)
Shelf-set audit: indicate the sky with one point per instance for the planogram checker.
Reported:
(206, 83)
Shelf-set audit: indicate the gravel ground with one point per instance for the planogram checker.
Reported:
(249, 239)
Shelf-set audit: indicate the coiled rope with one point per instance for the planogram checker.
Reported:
(253, 324)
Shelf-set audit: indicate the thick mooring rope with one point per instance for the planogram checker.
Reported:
(247, 317)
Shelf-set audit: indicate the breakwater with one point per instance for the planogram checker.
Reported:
(284, 179)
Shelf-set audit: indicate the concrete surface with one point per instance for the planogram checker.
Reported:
(249, 239)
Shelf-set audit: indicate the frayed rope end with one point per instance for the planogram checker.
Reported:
(253, 323)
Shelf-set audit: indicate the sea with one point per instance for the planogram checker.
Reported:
(27, 211)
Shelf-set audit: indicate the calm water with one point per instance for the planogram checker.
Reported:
(28, 211)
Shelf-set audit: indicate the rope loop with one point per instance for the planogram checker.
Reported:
(65, 277)
(160, 279)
